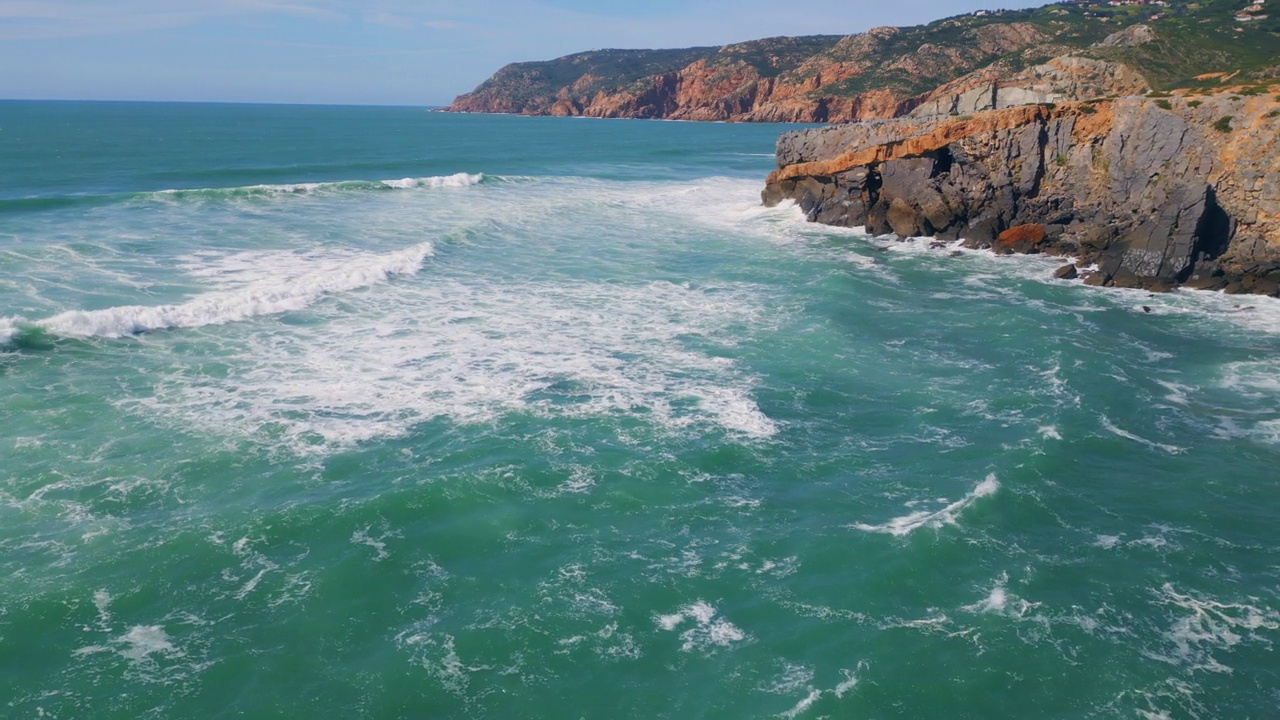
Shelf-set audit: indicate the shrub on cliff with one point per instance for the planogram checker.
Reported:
(1223, 124)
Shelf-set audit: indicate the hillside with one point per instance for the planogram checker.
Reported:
(968, 63)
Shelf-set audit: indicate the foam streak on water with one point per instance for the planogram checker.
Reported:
(948, 515)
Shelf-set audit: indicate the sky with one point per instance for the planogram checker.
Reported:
(373, 52)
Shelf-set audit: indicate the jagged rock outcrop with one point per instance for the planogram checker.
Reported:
(1155, 193)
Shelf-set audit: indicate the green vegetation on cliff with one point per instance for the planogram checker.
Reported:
(1176, 44)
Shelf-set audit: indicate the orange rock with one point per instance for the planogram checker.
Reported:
(1033, 234)
(919, 145)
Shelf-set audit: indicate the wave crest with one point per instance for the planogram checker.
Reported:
(56, 202)
(457, 180)
(264, 297)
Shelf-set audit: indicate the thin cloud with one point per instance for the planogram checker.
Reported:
(390, 20)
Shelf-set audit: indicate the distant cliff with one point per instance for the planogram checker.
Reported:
(964, 64)
(1150, 193)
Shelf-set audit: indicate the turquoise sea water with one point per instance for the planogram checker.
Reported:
(368, 412)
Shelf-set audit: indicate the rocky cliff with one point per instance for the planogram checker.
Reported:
(885, 72)
(963, 64)
(1140, 192)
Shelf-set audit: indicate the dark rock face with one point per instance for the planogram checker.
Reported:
(1154, 198)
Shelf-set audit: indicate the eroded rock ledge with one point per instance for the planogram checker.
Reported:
(1156, 193)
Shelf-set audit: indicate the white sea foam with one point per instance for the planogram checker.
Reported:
(614, 645)
(338, 274)
(1056, 383)
(1111, 427)
(933, 518)
(1252, 313)
(798, 678)
(849, 683)
(669, 622)
(792, 678)
(701, 612)
(1107, 542)
(580, 481)
(143, 641)
(102, 602)
(1178, 393)
(592, 601)
(472, 350)
(708, 632)
(225, 271)
(805, 703)
(445, 181)
(1255, 379)
(1205, 628)
(362, 537)
(1031, 267)
(1000, 601)
(1264, 431)
(457, 180)
(438, 657)
(994, 602)
(1157, 541)
(1268, 431)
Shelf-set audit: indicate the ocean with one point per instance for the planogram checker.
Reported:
(379, 412)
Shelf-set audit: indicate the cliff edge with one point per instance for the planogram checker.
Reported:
(1143, 192)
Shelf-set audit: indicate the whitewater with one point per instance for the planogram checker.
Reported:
(380, 412)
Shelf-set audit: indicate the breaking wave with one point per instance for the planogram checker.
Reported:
(267, 296)
(436, 182)
(458, 180)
